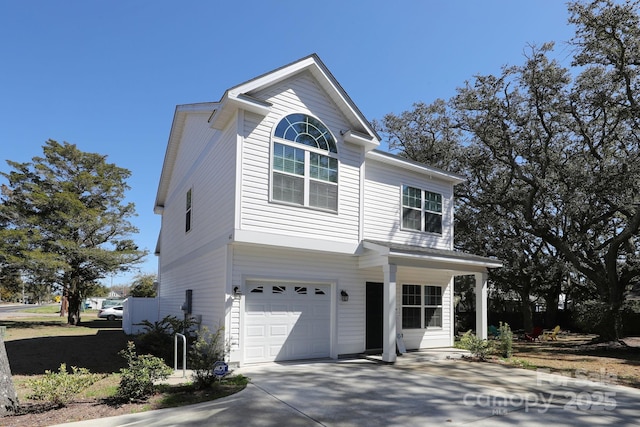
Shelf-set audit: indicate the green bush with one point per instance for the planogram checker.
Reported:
(208, 349)
(137, 381)
(506, 340)
(59, 388)
(158, 337)
(478, 347)
(589, 316)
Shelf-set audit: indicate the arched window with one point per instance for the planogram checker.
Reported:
(306, 130)
(305, 163)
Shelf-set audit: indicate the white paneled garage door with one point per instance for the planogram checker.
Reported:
(287, 322)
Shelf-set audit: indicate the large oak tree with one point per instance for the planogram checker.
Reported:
(554, 152)
(64, 221)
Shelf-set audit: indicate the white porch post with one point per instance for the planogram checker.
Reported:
(481, 305)
(389, 313)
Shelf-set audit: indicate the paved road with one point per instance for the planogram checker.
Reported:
(17, 310)
(363, 393)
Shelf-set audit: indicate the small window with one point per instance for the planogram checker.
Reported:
(278, 289)
(320, 292)
(187, 222)
(421, 307)
(257, 290)
(421, 210)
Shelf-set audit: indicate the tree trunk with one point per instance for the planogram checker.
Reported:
(8, 395)
(527, 315)
(551, 312)
(611, 326)
(73, 318)
(64, 304)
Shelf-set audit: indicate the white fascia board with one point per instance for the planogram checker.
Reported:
(367, 141)
(175, 136)
(232, 102)
(294, 242)
(421, 168)
(314, 65)
(272, 77)
(455, 264)
(458, 262)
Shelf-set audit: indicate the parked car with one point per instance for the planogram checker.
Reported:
(111, 313)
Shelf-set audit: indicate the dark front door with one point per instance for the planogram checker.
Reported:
(374, 318)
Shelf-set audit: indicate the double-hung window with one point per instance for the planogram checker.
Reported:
(421, 210)
(421, 307)
(305, 163)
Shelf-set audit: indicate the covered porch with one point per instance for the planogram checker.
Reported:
(388, 258)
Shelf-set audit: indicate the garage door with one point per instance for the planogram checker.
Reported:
(286, 322)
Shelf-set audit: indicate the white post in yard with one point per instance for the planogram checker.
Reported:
(481, 305)
(389, 314)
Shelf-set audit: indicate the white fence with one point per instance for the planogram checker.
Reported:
(135, 311)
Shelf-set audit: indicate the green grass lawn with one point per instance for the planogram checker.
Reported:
(43, 309)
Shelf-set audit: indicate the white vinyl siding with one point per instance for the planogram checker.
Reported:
(197, 260)
(383, 203)
(206, 277)
(214, 163)
(267, 264)
(300, 95)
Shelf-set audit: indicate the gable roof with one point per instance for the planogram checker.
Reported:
(241, 97)
(175, 136)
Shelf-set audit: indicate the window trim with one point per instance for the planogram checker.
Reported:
(422, 306)
(307, 177)
(424, 211)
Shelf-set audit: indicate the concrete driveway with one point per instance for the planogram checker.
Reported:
(409, 393)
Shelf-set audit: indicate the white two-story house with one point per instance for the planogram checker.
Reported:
(283, 223)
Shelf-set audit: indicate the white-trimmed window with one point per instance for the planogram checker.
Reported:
(421, 210)
(304, 163)
(187, 218)
(421, 306)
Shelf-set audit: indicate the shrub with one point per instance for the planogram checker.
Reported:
(208, 349)
(589, 316)
(158, 336)
(59, 388)
(506, 340)
(137, 381)
(478, 347)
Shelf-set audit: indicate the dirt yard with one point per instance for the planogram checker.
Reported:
(577, 354)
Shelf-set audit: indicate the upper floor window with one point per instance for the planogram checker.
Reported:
(187, 220)
(421, 210)
(305, 163)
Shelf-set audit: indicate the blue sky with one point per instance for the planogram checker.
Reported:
(106, 75)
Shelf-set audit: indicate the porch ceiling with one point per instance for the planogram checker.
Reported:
(380, 253)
